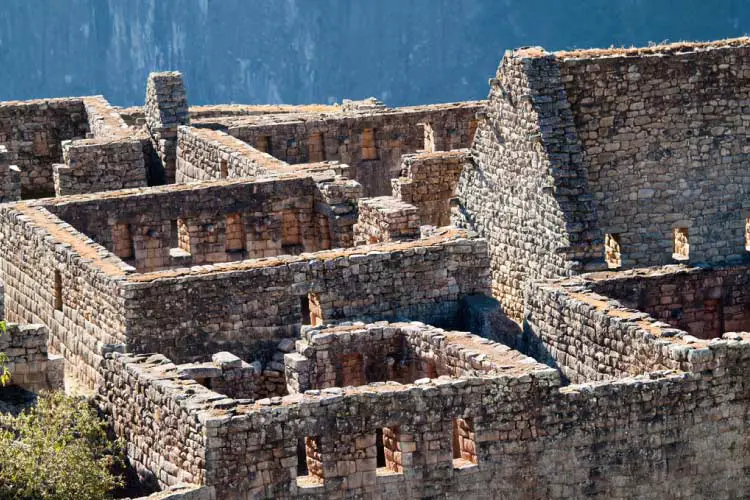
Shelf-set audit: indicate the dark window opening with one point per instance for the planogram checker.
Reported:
(304, 304)
(58, 291)
(224, 169)
(380, 448)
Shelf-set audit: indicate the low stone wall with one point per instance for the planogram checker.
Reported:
(590, 336)
(94, 165)
(243, 306)
(113, 159)
(385, 219)
(402, 352)
(429, 181)
(706, 302)
(29, 364)
(32, 131)
(204, 154)
(229, 375)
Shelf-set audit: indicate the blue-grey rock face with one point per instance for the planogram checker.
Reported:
(298, 51)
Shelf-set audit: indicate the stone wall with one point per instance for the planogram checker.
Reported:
(402, 352)
(32, 132)
(204, 154)
(113, 159)
(527, 189)
(244, 307)
(56, 277)
(428, 181)
(706, 302)
(384, 219)
(271, 217)
(10, 178)
(602, 326)
(231, 376)
(29, 364)
(518, 423)
(631, 145)
(371, 141)
(166, 108)
(663, 142)
(144, 398)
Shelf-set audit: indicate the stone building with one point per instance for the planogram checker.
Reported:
(541, 295)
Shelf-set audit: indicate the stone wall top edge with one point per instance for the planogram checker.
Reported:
(63, 238)
(677, 49)
(281, 178)
(45, 101)
(692, 353)
(289, 119)
(441, 241)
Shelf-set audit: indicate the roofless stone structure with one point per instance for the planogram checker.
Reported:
(540, 295)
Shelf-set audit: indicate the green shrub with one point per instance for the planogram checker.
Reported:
(58, 449)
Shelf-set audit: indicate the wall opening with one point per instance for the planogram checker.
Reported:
(304, 305)
(58, 291)
(314, 309)
(174, 234)
(429, 138)
(124, 246)
(464, 443)
(263, 144)
(612, 251)
(313, 463)
(369, 149)
(291, 234)
(352, 370)
(316, 148)
(236, 241)
(680, 244)
(224, 169)
(389, 454)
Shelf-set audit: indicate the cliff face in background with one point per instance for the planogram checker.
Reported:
(302, 51)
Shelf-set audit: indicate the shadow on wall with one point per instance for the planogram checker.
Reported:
(484, 316)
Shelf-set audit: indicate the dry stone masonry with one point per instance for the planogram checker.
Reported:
(541, 295)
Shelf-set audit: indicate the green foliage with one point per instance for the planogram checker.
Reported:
(58, 449)
(4, 372)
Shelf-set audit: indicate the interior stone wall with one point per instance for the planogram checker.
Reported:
(706, 302)
(153, 215)
(32, 132)
(663, 142)
(372, 141)
(246, 307)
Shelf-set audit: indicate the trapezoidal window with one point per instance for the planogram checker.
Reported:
(429, 138)
(316, 148)
(263, 144)
(388, 451)
(309, 462)
(369, 149)
(235, 234)
(464, 443)
(122, 241)
(680, 244)
(58, 292)
(224, 169)
(612, 251)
